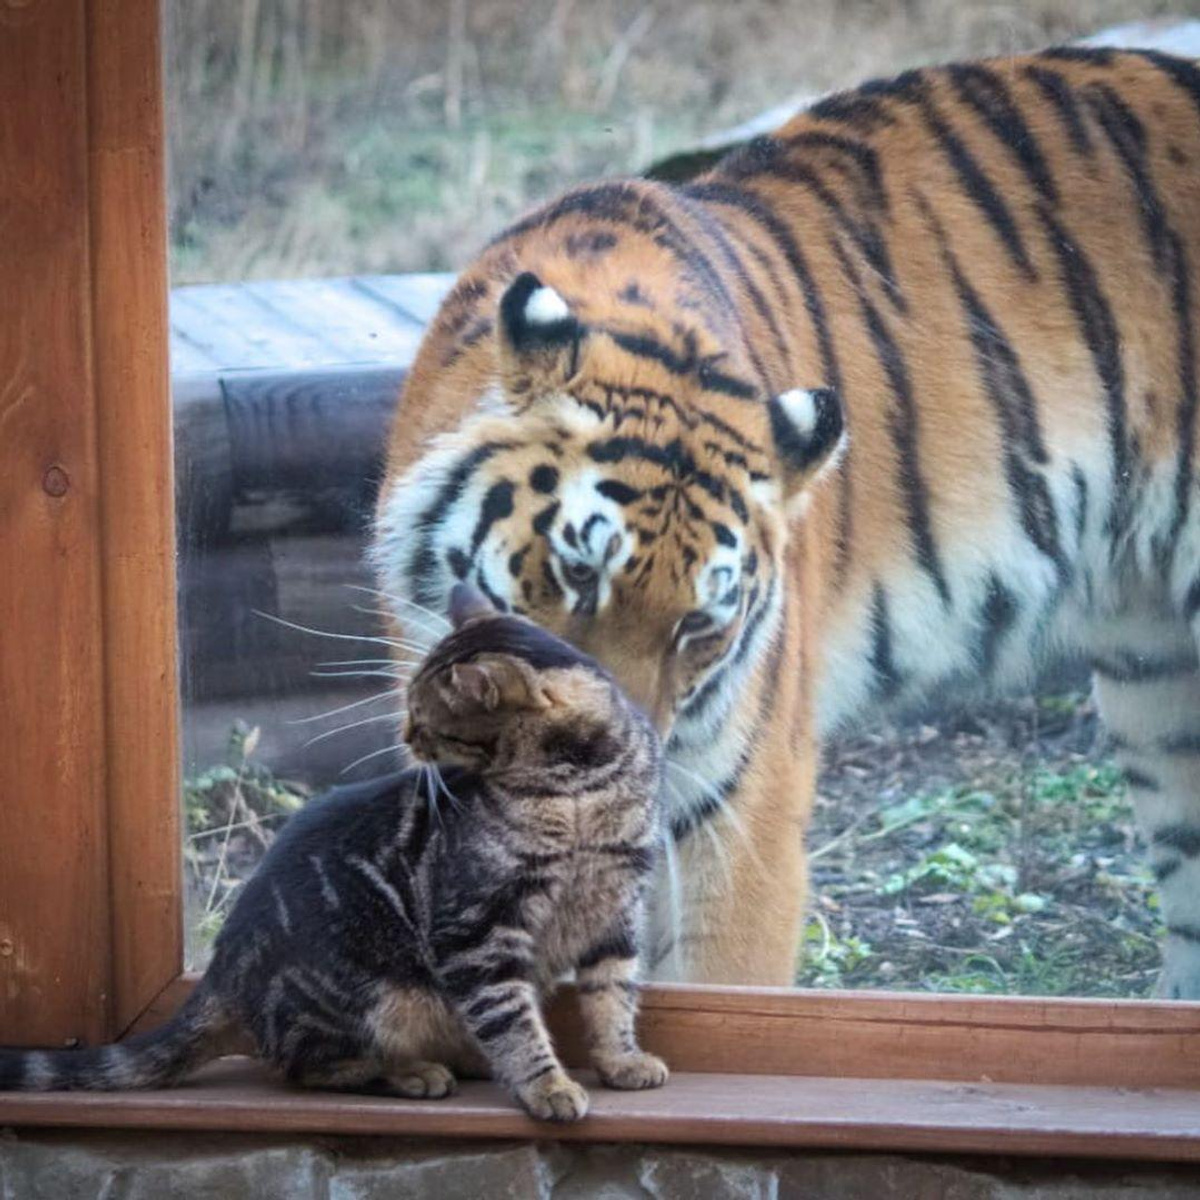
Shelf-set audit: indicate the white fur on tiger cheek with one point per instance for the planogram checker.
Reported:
(546, 307)
(607, 544)
(492, 401)
(714, 582)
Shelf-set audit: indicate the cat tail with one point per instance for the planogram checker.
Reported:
(199, 1032)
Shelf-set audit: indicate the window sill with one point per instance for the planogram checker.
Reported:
(706, 1109)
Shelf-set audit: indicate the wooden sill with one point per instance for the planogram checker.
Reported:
(888, 1035)
(706, 1109)
(765, 1067)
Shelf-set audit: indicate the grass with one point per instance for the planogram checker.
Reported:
(232, 812)
(307, 138)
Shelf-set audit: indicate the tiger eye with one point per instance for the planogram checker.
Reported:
(580, 574)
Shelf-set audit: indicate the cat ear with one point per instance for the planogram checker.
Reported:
(491, 683)
(468, 603)
(809, 435)
(539, 339)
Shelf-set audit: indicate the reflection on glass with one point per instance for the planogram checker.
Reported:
(331, 165)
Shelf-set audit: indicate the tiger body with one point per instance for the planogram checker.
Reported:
(987, 273)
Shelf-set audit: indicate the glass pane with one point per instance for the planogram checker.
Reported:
(332, 166)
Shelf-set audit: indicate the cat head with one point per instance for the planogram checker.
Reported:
(500, 690)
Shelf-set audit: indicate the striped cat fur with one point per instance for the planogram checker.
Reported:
(391, 942)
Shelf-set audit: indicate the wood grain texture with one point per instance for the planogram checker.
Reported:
(898, 1036)
(712, 1110)
(418, 296)
(54, 901)
(893, 1035)
(127, 210)
(232, 650)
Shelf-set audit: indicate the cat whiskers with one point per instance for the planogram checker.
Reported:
(397, 716)
(442, 786)
(427, 774)
(392, 749)
(386, 694)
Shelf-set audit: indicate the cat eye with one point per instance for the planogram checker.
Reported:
(580, 574)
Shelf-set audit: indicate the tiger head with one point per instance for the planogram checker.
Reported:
(620, 477)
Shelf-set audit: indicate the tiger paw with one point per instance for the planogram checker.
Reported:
(554, 1096)
(422, 1081)
(631, 1072)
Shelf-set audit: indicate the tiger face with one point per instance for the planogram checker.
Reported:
(628, 487)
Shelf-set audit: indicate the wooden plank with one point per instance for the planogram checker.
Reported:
(882, 1035)
(363, 329)
(203, 462)
(129, 339)
(309, 430)
(54, 901)
(188, 357)
(419, 296)
(231, 327)
(710, 1110)
(895, 1035)
(231, 650)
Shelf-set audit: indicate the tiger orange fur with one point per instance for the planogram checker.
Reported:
(626, 422)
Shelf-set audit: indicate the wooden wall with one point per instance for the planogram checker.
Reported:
(89, 839)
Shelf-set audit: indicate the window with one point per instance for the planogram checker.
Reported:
(91, 899)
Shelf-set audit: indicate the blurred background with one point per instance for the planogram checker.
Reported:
(314, 137)
(986, 846)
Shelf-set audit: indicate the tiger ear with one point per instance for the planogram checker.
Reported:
(539, 339)
(809, 435)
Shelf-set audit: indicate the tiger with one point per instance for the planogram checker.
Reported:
(898, 398)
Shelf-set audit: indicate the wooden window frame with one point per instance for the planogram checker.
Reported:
(90, 843)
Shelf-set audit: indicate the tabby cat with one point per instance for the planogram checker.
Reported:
(386, 941)
(626, 421)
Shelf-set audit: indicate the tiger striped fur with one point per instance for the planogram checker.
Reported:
(625, 422)
(387, 941)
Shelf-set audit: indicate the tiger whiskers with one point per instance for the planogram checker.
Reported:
(674, 898)
(720, 802)
(374, 673)
(441, 626)
(343, 637)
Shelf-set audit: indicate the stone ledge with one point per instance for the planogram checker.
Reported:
(67, 1166)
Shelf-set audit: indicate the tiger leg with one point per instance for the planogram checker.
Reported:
(1149, 696)
(746, 880)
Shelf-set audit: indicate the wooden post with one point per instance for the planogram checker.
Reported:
(89, 882)
(127, 203)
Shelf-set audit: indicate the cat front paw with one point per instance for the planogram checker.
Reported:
(554, 1096)
(632, 1072)
(422, 1081)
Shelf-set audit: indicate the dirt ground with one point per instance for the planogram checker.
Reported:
(992, 850)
